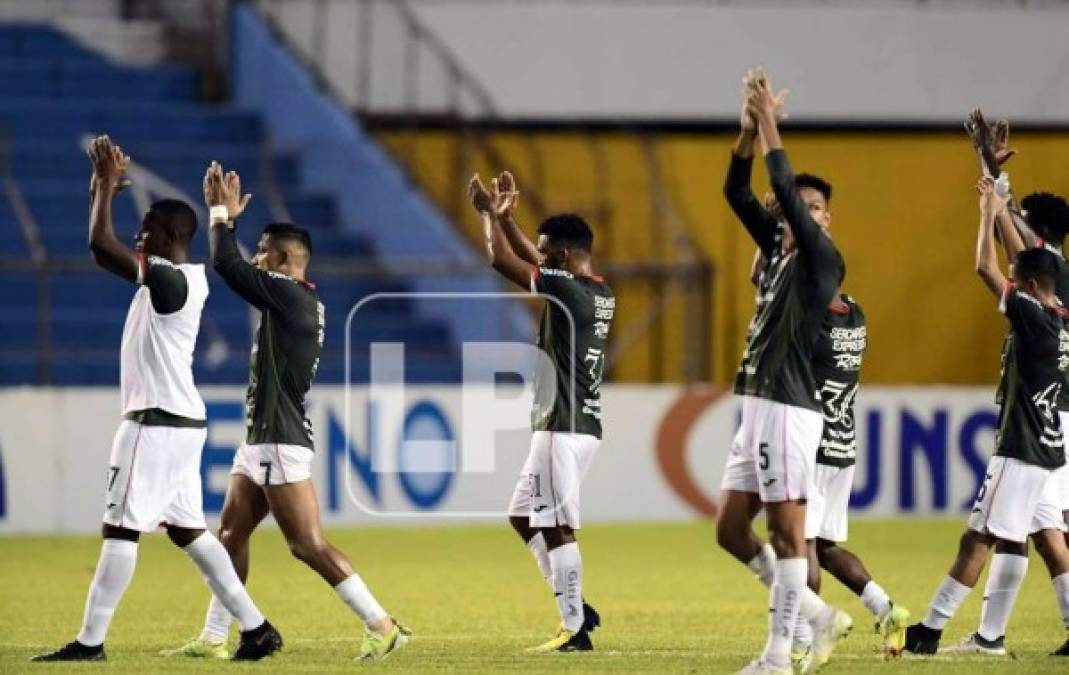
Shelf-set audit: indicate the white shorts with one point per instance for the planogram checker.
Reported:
(774, 451)
(154, 477)
(273, 463)
(1062, 474)
(547, 491)
(828, 505)
(1016, 500)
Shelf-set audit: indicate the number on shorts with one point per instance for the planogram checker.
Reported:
(536, 485)
(113, 472)
(983, 491)
(762, 450)
(267, 472)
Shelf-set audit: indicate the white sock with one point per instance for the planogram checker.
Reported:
(785, 599)
(813, 609)
(354, 592)
(1061, 592)
(803, 633)
(876, 600)
(538, 549)
(114, 571)
(567, 566)
(1004, 580)
(216, 622)
(214, 563)
(945, 603)
(764, 565)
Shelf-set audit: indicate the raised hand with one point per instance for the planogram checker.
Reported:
(1000, 132)
(109, 165)
(747, 123)
(761, 100)
(224, 190)
(505, 195)
(990, 140)
(480, 198)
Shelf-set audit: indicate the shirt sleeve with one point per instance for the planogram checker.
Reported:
(815, 248)
(1024, 312)
(753, 216)
(166, 284)
(263, 290)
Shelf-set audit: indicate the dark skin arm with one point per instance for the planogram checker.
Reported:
(986, 257)
(109, 165)
(499, 252)
(505, 186)
(991, 142)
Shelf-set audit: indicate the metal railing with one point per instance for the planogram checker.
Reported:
(678, 268)
(692, 283)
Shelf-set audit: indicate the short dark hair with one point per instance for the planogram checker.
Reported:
(177, 217)
(1038, 264)
(808, 180)
(1047, 214)
(290, 232)
(568, 228)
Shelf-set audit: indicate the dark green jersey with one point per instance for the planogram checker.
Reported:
(1034, 364)
(793, 291)
(1061, 287)
(583, 307)
(285, 351)
(837, 366)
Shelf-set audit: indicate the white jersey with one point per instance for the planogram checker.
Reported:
(157, 349)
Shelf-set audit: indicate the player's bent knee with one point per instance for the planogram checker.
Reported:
(787, 544)
(728, 538)
(308, 550)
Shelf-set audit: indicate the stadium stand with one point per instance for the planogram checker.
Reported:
(56, 93)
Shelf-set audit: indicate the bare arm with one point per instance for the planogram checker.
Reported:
(109, 164)
(986, 258)
(1012, 241)
(991, 142)
(505, 197)
(499, 252)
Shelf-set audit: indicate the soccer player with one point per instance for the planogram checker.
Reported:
(272, 469)
(1043, 221)
(154, 471)
(772, 456)
(566, 420)
(837, 361)
(1019, 497)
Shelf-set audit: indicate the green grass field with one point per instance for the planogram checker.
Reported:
(670, 602)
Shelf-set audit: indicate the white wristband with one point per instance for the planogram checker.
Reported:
(218, 214)
(1002, 184)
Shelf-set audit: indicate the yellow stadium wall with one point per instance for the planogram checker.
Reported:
(904, 215)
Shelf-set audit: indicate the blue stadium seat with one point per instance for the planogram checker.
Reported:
(56, 92)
